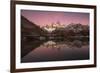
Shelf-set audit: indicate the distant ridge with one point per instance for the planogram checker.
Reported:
(28, 26)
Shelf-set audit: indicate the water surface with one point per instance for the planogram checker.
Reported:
(55, 50)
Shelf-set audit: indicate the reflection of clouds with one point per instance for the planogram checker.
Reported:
(64, 44)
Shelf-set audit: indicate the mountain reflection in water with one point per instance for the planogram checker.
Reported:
(54, 50)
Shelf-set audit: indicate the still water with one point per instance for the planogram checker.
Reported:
(53, 50)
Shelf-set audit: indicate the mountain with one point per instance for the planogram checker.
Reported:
(29, 28)
(72, 30)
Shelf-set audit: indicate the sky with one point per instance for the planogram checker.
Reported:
(43, 18)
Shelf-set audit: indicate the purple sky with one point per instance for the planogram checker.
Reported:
(43, 18)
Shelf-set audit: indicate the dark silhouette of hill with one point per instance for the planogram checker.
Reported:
(29, 31)
(29, 28)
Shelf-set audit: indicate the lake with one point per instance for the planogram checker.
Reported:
(54, 50)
